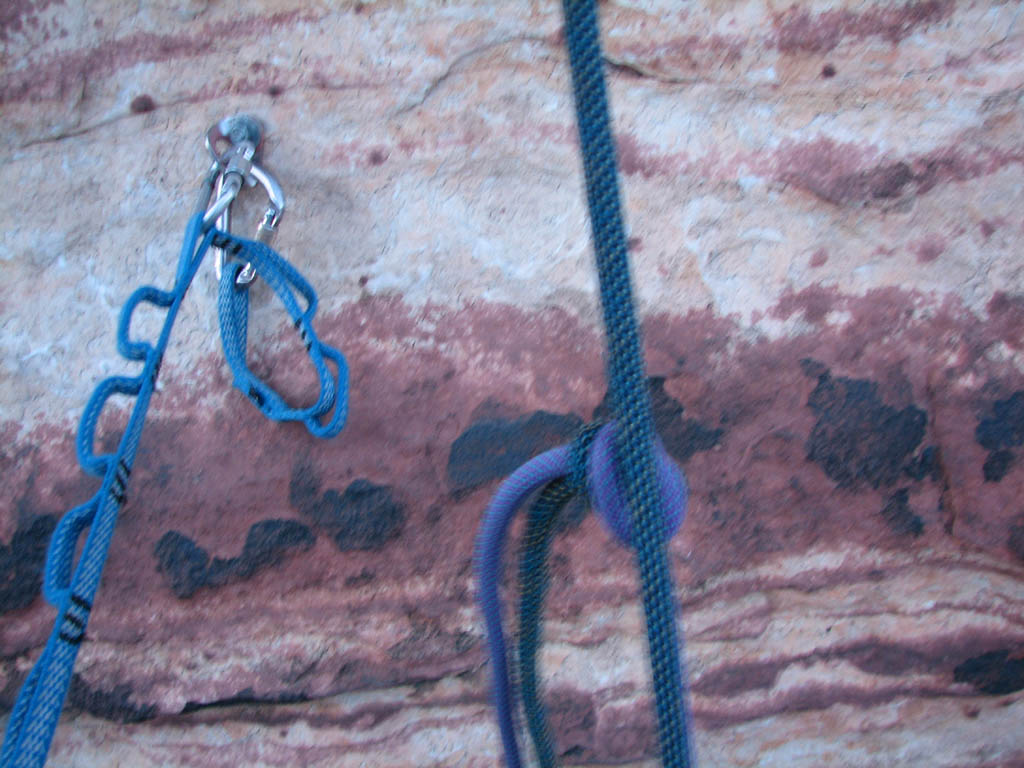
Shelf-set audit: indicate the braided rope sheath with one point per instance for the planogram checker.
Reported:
(533, 584)
(72, 588)
(626, 376)
(490, 544)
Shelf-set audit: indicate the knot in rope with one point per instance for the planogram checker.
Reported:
(609, 499)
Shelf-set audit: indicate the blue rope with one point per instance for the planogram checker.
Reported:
(638, 491)
(72, 588)
(626, 376)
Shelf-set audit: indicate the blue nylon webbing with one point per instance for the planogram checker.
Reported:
(72, 588)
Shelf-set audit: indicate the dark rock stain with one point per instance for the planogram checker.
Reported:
(739, 678)
(115, 704)
(929, 249)
(574, 513)
(21, 17)
(141, 104)
(801, 31)
(573, 719)
(187, 567)
(1006, 318)
(994, 673)
(828, 71)
(1015, 541)
(683, 437)
(997, 465)
(365, 516)
(835, 172)
(429, 642)
(900, 517)
(926, 465)
(890, 659)
(493, 448)
(21, 561)
(998, 432)
(53, 77)
(814, 302)
(182, 562)
(857, 438)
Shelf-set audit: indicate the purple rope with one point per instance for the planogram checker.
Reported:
(607, 498)
(487, 561)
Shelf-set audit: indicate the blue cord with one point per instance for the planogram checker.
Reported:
(626, 377)
(633, 485)
(72, 588)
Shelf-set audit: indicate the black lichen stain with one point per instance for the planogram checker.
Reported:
(857, 438)
(187, 566)
(997, 465)
(493, 448)
(683, 437)
(1000, 431)
(115, 705)
(21, 562)
(366, 516)
(994, 673)
(245, 696)
(900, 517)
(182, 562)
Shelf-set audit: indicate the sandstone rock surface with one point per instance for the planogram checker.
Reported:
(823, 205)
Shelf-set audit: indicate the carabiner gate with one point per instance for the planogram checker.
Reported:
(234, 166)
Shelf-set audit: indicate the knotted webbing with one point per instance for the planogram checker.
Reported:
(72, 588)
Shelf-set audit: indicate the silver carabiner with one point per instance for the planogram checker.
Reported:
(235, 166)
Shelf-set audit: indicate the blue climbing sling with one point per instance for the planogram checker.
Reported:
(71, 588)
(633, 485)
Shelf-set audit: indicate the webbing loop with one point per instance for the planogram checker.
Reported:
(71, 587)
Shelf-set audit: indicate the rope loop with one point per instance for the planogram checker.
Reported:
(586, 466)
(605, 487)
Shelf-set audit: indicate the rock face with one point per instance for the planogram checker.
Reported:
(823, 203)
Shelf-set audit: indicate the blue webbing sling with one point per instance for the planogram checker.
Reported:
(71, 588)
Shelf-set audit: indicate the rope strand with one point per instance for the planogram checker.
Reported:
(626, 376)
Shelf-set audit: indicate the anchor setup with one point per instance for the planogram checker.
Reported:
(635, 487)
(71, 586)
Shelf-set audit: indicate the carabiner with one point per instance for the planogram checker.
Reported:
(233, 167)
